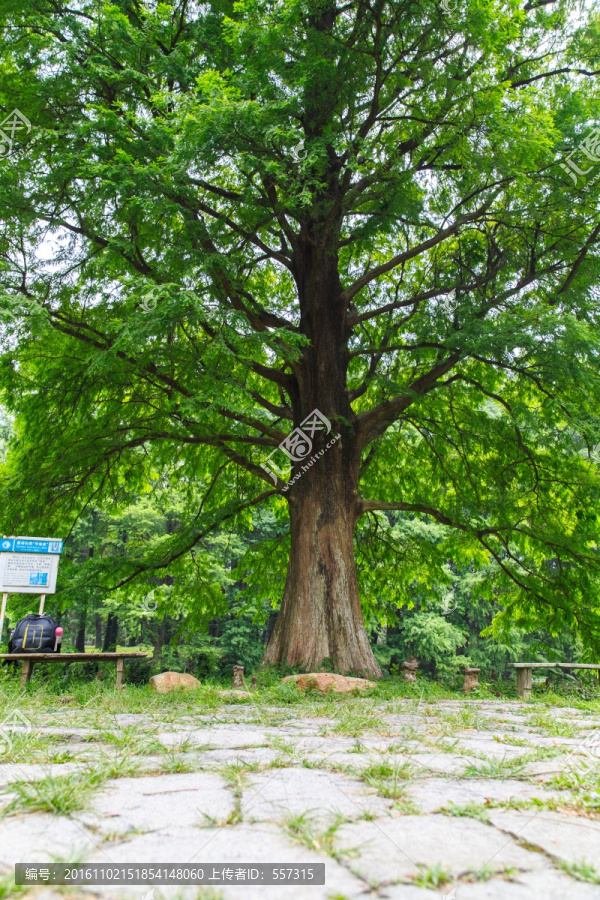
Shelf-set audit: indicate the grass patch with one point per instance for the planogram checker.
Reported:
(59, 794)
(354, 720)
(477, 811)
(387, 778)
(174, 762)
(553, 726)
(581, 870)
(8, 888)
(496, 768)
(237, 776)
(433, 877)
(307, 830)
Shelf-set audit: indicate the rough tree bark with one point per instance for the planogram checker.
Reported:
(97, 632)
(321, 616)
(111, 633)
(80, 639)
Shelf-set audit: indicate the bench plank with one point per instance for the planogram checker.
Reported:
(554, 665)
(30, 659)
(72, 657)
(534, 665)
(578, 666)
(525, 674)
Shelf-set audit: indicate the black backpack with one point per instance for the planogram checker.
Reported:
(34, 634)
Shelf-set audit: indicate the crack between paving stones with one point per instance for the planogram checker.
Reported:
(222, 827)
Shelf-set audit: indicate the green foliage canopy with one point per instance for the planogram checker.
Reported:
(161, 161)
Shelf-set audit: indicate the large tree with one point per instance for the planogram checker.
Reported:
(229, 215)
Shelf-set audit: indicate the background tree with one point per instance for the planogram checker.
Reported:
(356, 208)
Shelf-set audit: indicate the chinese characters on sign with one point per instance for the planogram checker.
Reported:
(29, 565)
(170, 873)
(25, 570)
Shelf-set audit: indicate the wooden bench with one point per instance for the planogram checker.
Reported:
(31, 659)
(525, 673)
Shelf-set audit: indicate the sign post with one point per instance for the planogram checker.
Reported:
(26, 565)
(2, 612)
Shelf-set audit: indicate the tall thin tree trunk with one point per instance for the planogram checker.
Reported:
(160, 638)
(80, 639)
(98, 631)
(110, 635)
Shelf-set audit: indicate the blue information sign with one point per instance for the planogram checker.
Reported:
(30, 545)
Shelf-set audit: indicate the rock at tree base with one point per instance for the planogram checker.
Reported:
(172, 681)
(326, 681)
(471, 679)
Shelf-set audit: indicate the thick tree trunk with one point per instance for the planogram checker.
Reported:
(321, 616)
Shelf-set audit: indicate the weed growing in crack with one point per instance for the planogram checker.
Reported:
(237, 776)
(496, 768)
(388, 778)
(477, 811)
(433, 876)
(353, 721)
(581, 870)
(308, 830)
(53, 794)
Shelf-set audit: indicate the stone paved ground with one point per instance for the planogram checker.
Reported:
(402, 799)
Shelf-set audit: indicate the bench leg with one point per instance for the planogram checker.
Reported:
(120, 668)
(26, 672)
(524, 683)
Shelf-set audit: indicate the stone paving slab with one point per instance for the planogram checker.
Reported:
(10, 772)
(280, 793)
(39, 837)
(402, 847)
(251, 756)
(407, 892)
(545, 769)
(546, 884)
(446, 763)
(259, 843)
(68, 734)
(569, 838)
(433, 793)
(153, 804)
(153, 818)
(226, 736)
(487, 746)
